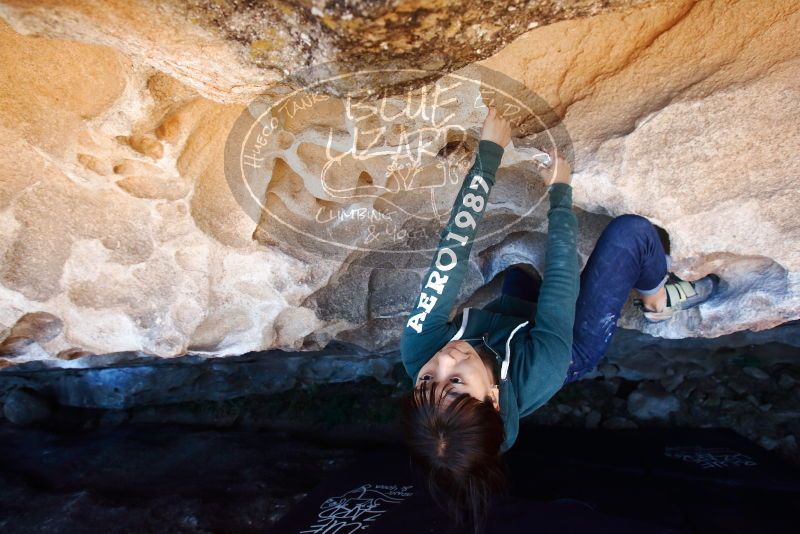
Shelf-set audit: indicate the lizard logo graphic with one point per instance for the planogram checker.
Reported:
(325, 166)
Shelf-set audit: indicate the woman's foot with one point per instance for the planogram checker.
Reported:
(679, 295)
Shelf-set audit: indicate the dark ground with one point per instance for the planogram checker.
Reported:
(155, 478)
(242, 464)
(118, 471)
(138, 478)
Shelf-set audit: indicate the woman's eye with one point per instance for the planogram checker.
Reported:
(456, 380)
(425, 377)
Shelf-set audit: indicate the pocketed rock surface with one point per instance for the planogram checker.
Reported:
(116, 217)
(746, 382)
(752, 390)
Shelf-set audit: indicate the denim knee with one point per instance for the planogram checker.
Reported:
(628, 225)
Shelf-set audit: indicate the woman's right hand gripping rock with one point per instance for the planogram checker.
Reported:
(559, 171)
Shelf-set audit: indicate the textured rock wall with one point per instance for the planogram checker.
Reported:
(232, 51)
(120, 228)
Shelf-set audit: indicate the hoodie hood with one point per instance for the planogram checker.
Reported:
(509, 408)
(509, 413)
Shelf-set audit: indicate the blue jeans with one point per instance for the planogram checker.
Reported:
(628, 255)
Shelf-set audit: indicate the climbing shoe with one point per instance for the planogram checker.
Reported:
(682, 295)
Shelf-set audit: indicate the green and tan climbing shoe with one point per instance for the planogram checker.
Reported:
(682, 295)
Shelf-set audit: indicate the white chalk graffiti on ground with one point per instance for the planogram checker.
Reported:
(357, 509)
(710, 458)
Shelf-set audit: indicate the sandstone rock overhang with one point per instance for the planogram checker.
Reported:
(119, 222)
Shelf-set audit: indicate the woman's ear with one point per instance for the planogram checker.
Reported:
(494, 393)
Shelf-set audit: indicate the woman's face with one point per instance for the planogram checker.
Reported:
(458, 364)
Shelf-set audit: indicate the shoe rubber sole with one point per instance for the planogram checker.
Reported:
(706, 288)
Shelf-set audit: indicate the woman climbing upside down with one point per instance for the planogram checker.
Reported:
(475, 376)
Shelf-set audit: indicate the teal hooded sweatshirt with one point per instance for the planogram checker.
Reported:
(533, 340)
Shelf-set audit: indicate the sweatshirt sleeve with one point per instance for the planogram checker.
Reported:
(542, 367)
(428, 327)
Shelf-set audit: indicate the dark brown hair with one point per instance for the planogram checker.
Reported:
(457, 445)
